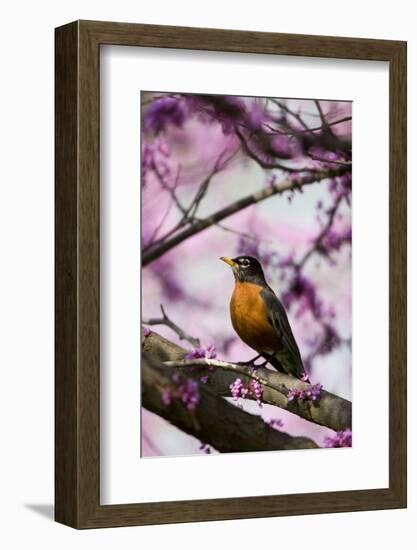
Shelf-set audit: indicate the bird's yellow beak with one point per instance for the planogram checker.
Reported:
(229, 261)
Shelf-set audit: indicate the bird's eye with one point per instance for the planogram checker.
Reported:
(244, 262)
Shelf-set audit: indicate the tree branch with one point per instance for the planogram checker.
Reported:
(165, 320)
(326, 138)
(188, 213)
(315, 129)
(219, 165)
(319, 239)
(289, 111)
(329, 410)
(328, 161)
(214, 421)
(268, 165)
(202, 224)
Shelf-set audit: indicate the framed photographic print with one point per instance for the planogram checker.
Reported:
(230, 274)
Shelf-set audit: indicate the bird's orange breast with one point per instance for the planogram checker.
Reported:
(249, 315)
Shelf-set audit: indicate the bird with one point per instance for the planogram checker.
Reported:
(260, 319)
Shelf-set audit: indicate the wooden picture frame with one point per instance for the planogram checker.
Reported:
(77, 374)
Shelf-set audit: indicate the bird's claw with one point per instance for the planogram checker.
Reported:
(250, 363)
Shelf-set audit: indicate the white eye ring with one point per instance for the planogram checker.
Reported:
(244, 263)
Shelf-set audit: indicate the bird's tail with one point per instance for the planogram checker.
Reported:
(274, 362)
(293, 370)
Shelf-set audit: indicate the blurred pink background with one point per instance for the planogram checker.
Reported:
(195, 287)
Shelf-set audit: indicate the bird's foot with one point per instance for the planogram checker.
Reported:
(250, 363)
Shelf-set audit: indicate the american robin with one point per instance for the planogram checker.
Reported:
(260, 319)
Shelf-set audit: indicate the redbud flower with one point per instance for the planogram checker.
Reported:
(254, 388)
(236, 389)
(163, 112)
(312, 393)
(205, 447)
(276, 423)
(166, 397)
(189, 394)
(202, 353)
(271, 180)
(341, 439)
(211, 352)
(332, 185)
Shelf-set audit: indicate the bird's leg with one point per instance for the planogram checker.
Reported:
(251, 362)
(268, 358)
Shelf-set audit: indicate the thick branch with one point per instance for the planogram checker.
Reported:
(200, 225)
(330, 410)
(214, 421)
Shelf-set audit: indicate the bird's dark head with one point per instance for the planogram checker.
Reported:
(246, 269)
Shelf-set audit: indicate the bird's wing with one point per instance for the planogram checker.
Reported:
(290, 358)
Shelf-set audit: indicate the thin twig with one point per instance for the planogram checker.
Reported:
(315, 129)
(288, 184)
(242, 234)
(284, 107)
(339, 162)
(265, 164)
(164, 217)
(234, 367)
(188, 213)
(171, 190)
(165, 320)
(219, 165)
(321, 114)
(319, 239)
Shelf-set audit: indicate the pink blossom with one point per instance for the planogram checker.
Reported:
(237, 389)
(184, 137)
(276, 423)
(340, 439)
(187, 392)
(254, 389)
(162, 112)
(205, 447)
(312, 393)
(166, 397)
(303, 290)
(202, 353)
(155, 159)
